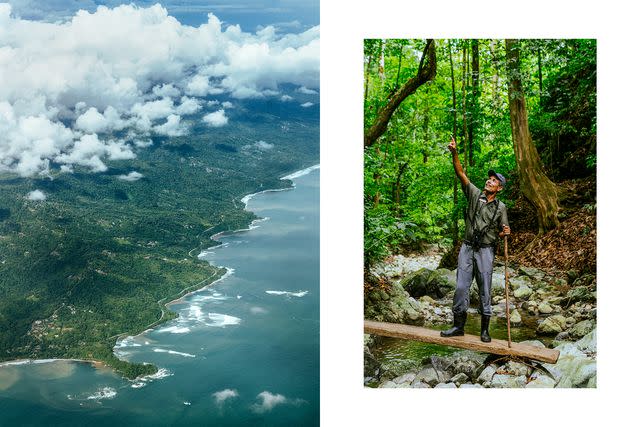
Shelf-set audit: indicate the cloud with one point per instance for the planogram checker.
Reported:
(285, 98)
(36, 195)
(216, 119)
(262, 145)
(126, 73)
(258, 310)
(172, 127)
(306, 91)
(131, 176)
(268, 401)
(307, 104)
(224, 395)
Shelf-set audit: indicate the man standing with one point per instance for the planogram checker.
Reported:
(485, 221)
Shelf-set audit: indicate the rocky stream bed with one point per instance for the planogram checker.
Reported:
(555, 310)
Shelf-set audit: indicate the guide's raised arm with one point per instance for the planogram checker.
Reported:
(456, 162)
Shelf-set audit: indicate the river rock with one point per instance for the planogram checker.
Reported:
(515, 317)
(396, 308)
(523, 292)
(428, 376)
(588, 344)
(419, 384)
(552, 325)
(487, 374)
(518, 282)
(371, 365)
(388, 384)
(466, 362)
(467, 385)
(540, 380)
(508, 381)
(446, 385)
(575, 366)
(435, 283)
(406, 378)
(532, 272)
(515, 368)
(545, 308)
(459, 379)
(585, 280)
(580, 293)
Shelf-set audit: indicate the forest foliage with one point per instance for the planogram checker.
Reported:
(410, 193)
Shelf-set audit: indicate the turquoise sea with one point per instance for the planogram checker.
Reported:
(243, 351)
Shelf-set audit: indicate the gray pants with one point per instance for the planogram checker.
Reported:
(474, 264)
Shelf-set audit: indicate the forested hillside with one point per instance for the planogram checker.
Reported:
(98, 255)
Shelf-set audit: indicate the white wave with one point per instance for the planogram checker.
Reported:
(40, 361)
(178, 353)
(138, 384)
(302, 172)
(104, 393)
(16, 363)
(126, 342)
(248, 197)
(175, 330)
(221, 320)
(298, 294)
(162, 373)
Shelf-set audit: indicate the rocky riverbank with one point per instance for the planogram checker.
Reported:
(559, 309)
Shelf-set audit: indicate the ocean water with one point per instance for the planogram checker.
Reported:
(243, 351)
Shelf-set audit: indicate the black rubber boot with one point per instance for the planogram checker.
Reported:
(459, 319)
(484, 328)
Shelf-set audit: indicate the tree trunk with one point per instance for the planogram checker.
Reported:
(465, 128)
(455, 131)
(426, 72)
(539, 74)
(475, 75)
(534, 184)
(397, 187)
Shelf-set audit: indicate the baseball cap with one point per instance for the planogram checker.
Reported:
(500, 177)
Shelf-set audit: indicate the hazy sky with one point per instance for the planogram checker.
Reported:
(289, 15)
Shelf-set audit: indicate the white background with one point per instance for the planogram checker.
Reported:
(344, 399)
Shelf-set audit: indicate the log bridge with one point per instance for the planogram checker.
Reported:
(470, 342)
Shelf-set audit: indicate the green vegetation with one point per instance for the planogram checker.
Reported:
(101, 256)
(410, 191)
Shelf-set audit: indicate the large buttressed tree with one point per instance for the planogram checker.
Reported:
(426, 72)
(536, 187)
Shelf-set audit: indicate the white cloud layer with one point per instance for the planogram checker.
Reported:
(69, 87)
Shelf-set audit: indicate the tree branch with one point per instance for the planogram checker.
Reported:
(426, 72)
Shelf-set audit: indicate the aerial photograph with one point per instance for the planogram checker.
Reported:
(159, 212)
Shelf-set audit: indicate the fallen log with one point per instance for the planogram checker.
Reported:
(469, 342)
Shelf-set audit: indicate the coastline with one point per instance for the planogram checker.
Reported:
(165, 306)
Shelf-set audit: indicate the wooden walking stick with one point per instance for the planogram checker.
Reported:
(506, 287)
